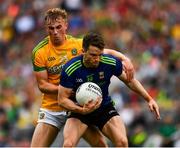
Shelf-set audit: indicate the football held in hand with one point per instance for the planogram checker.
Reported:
(86, 92)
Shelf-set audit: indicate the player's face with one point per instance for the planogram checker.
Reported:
(57, 31)
(92, 57)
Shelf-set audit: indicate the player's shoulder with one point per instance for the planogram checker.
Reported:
(73, 64)
(72, 38)
(41, 45)
(108, 56)
(76, 59)
(108, 59)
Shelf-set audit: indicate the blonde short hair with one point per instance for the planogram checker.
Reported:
(54, 14)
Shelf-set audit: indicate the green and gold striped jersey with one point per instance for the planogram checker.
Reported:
(47, 57)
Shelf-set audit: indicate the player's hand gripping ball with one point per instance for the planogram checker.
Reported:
(86, 92)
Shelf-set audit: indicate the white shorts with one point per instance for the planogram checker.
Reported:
(56, 119)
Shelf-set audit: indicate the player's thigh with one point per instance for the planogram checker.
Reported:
(44, 135)
(73, 130)
(49, 124)
(94, 137)
(115, 130)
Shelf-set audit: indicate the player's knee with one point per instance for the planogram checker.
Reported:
(97, 141)
(122, 142)
(68, 143)
(101, 142)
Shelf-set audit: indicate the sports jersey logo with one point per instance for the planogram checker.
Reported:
(90, 78)
(79, 80)
(112, 111)
(51, 58)
(58, 68)
(74, 51)
(55, 69)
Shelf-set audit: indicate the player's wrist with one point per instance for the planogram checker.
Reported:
(150, 99)
(80, 110)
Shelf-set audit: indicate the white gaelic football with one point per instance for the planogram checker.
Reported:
(87, 91)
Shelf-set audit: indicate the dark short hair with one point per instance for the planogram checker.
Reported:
(54, 14)
(94, 39)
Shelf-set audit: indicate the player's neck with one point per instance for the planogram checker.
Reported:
(60, 43)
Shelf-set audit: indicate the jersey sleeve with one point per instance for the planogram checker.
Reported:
(118, 68)
(65, 79)
(39, 55)
(38, 62)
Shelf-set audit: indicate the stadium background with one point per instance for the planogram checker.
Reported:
(147, 31)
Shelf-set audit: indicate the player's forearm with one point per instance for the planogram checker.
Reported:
(136, 86)
(48, 88)
(69, 105)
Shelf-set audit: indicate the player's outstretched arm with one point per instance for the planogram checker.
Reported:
(136, 86)
(127, 64)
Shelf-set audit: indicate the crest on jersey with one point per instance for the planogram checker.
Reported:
(74, 51)
(89, 78)
(101, 75)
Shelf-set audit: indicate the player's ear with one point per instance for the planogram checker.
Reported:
(66, 23)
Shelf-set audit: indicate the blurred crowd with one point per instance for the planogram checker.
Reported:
(147, 31)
